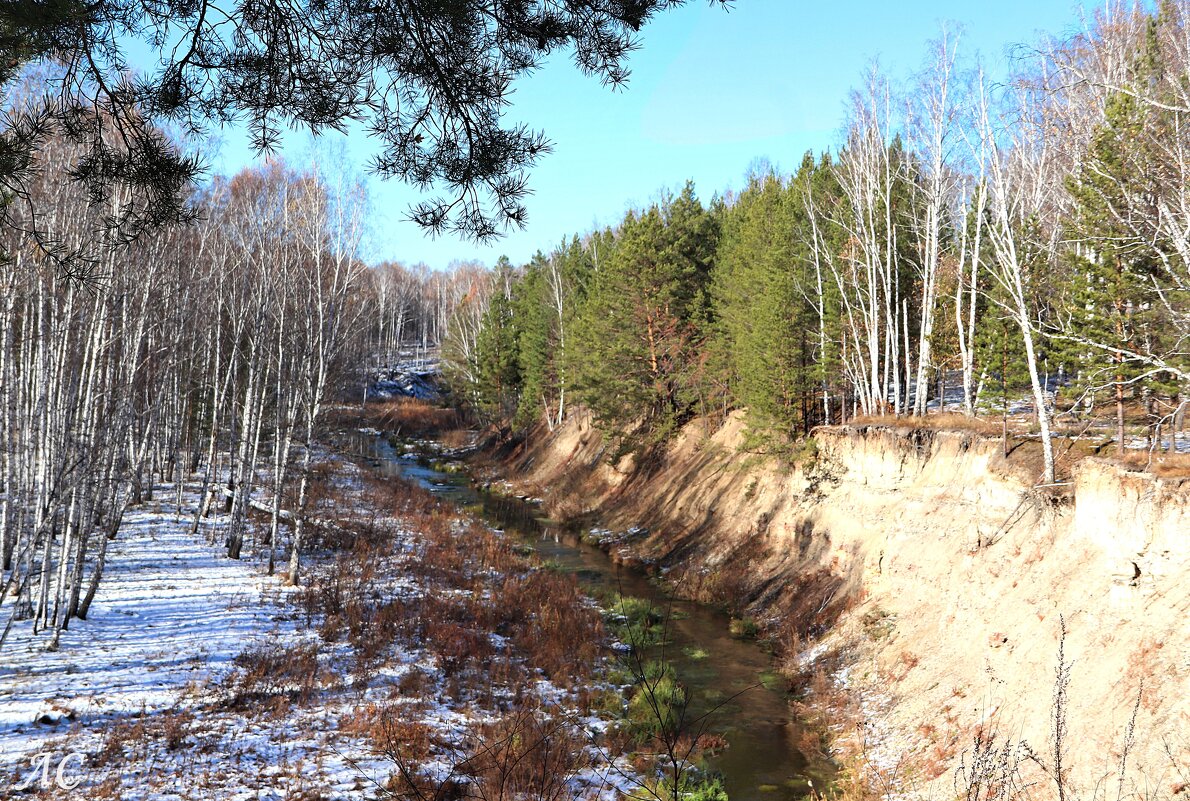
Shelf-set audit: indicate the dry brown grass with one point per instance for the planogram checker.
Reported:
(815, 600)
(823, 707)
(525, 754)
(122, 738)
(468, 583)
(394, 570)
(263, 672)
(384, 727)
(399, 498)
(1025, 453)
(409, 417)
(175, 728)
(1162, 465)
(474, 583)
(906, 661)
(945, 421)
(456, 438)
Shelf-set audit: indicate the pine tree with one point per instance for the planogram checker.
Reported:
(539, 339)
(763, 285)
(645, 316)
(498, 348)
(1112, 263)
(999, 357)
(428, 78)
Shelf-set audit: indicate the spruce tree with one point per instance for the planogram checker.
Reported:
(498, 348)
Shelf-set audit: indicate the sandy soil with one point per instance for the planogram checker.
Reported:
(938, 572)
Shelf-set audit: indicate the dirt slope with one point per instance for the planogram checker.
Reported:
(936, 569)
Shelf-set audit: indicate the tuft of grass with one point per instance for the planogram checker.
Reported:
(694, 786)
(275, 670)
(388, 733)
(743, 628)
(410, 417)
(656, 707)
(635, 621)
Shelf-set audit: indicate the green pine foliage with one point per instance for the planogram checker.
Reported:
(1115, 265)
(537, 338)
(547, 300)
(775, 300)
(999, 355)
(644, 319)
(498, 353)
(1001, 371)
(764, 286)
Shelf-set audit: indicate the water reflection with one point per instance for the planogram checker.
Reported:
(722, 674)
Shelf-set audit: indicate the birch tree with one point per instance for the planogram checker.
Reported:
(1018, 181)
(933, 117)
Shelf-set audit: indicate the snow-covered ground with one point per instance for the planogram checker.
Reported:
(140, 693)
(170, 611)
(409, 378)
(169, 618)
(1178, 443)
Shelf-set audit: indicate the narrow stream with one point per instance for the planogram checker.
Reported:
(762, 762)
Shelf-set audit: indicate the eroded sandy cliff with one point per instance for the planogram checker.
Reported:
(938, 572)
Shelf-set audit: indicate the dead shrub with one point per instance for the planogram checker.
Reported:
(526, 754)
(456, 438)
(906, 661)
(1160, 464)
(175, 728)
(266, 671)
(372, 638)
(122, 739)
(347, 597)
(332, 587)
(108, 788)
(813, 602)
(275, 708)
(387, 731)
(547, 617)
(456, 646)
(731, 586)
(824, 706)
(415, 683)
(444, 558)
(321, 492)
(399, 497)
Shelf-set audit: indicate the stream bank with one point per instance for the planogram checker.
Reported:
(924, 574)
(732, 681)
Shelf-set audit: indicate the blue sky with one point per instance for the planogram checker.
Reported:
(711, 91)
